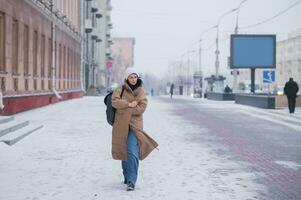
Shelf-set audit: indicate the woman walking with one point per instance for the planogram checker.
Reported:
(129, 142)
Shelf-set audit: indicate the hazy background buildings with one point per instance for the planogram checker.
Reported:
(167, 36)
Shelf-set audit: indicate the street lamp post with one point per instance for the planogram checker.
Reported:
(187, 81)
(217, 40)
(200, 48)
(235, 71)
(182, 75)
(237, 15)
(198, 72)
(188, 72)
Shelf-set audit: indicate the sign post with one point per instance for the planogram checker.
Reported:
(268, 77)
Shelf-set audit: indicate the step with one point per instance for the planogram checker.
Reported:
(11, 126)
(16, 136)
(6, 119)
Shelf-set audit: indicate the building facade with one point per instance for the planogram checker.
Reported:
(96, 41)
(104, 47)
(40, 53)
(123, 57)
(289, 59)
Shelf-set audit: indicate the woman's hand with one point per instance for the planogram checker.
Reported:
(133, 104)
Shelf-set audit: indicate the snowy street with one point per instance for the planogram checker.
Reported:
(208, 150)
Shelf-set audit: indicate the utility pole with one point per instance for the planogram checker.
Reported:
(235, 71)
(199, 71)
(188, 77)
(217, 63)
(217, 40)
(200, 57)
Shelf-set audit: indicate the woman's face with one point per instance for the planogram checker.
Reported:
(133, 79)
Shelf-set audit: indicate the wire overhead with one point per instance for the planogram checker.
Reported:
(271, 18)
(249, 26)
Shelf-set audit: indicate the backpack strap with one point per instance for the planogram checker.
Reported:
(123, 88)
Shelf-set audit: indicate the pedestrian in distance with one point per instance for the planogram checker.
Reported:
(290, 90)
(152, 92)
(130, 143)
(171, 90)
(227, 89)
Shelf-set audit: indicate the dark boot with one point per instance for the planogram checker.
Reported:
(130, 186)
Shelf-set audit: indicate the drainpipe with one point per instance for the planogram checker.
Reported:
(83, 44)
(53, 63)
(1, 101)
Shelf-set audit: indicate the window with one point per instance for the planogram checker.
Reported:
(64, 9)
(76, 67)
(71, 64)
(43, 56)
(35, 53)
(64, 62)
(2, 42)
(15, 47)
(94, 21)
(68, 63)
(26, 50)
(49, 57)
(59, 67)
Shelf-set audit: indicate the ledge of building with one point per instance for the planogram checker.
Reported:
(15, 104)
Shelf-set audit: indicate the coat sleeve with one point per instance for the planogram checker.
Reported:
(285, 89)
(140, 108)
(118, 102)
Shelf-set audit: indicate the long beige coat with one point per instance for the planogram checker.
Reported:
(126, 118)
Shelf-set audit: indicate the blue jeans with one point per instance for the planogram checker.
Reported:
(130, 166)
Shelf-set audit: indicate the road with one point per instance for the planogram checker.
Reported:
(269, 141)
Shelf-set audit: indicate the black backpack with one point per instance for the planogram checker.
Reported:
(110, 112)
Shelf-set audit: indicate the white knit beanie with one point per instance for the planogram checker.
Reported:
(130, 71)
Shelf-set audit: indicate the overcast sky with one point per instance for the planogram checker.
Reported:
(166, 29)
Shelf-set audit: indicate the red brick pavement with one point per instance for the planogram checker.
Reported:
(286, 180)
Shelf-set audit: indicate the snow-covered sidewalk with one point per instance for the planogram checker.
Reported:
(70, 159)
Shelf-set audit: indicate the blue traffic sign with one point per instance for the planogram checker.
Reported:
(268, 76)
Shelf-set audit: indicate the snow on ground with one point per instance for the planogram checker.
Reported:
(70, 158)
(289, 164)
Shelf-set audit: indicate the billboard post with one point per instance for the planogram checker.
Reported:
(253, 80)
